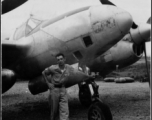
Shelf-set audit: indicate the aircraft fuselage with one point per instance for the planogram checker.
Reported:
(82, 35)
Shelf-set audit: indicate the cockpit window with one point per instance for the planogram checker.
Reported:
(31, 24)
(20, 32)
(26, 28)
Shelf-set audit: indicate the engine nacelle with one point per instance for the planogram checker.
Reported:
(38, 85)
(122, 54)
(8, 79)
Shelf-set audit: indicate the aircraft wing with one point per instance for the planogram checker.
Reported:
(11, 51)
(8, 5)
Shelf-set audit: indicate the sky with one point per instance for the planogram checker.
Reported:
(45, 9)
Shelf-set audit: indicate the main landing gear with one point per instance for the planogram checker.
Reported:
(97, 110)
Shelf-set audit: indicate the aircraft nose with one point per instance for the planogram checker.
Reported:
(124, 22)
(123, 19)
(115, 17)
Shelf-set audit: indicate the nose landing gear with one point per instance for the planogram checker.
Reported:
(97, 110)
(86, 97)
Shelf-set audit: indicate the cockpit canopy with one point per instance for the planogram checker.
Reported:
(26, 28)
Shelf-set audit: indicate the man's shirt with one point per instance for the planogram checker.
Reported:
(56, 76)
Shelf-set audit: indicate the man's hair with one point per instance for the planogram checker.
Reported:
(60, 54)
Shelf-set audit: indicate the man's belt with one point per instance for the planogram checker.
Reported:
(59, 86)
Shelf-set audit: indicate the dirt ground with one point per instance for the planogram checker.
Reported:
(129, 101)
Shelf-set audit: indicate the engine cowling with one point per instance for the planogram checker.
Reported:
(8, 79)
(122, 54)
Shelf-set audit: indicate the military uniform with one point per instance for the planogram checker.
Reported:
(58, 98)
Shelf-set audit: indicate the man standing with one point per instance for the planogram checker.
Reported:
(58, 98)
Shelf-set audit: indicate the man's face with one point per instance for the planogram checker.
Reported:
(60, 60)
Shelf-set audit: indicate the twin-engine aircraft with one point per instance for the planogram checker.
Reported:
(98, 37)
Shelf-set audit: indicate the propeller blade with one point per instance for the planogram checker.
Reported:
(107, 2)
(146, 61)
(149, 21)
(8, 5)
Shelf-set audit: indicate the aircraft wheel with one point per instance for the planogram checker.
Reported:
(99, 111)
(85, 96)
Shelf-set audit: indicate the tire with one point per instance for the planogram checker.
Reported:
(99, 111)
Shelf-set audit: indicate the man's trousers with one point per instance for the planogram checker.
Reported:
(58, 101)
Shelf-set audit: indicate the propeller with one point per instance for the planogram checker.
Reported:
(144, 35)
(107, 2)
(146, 61)
(8, 5)
(149, 21)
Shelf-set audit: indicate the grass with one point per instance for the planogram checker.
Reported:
(129, 101)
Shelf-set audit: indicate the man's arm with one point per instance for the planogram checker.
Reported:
(50, 85)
